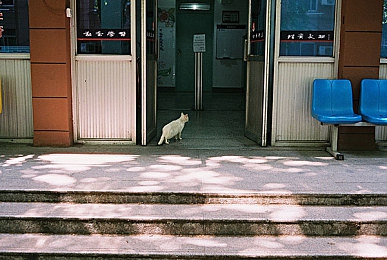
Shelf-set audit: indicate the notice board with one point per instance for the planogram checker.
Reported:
(229, 41)
(199, 43)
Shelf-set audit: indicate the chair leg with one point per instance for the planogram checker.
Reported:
(334, 139)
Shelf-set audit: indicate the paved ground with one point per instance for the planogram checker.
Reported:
(214, 156)
(181, 168)
(175, 168)
(213, 162)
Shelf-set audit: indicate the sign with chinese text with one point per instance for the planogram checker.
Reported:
(257, 36)
(199, 43)
(103, 34)
(150, 35)
(315, 36)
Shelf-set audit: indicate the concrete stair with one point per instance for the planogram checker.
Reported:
(120, 225)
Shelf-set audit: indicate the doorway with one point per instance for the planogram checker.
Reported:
(226, 26)
(188, 24)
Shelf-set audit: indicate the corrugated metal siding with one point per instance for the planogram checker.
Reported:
(16, 118)
(292, 120)
(254, 96)
(104, 100)
(381, 131)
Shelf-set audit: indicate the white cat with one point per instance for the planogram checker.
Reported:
(173, 129)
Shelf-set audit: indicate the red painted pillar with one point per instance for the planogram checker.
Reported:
(51, 72)
(360, 40)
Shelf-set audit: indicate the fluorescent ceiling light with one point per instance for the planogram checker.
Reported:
(194, 6)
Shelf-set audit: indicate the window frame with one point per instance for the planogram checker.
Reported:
(106, 56)
(16, 51)
(335, 33)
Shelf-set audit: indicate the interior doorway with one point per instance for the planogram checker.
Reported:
(225, 25)
(189, 23)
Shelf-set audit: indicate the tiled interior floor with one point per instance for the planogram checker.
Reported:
(219, 125)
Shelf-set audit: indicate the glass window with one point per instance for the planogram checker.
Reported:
(103, 26)
(307, 27)
(257, 27)
(150, 27)
(383, 51)
(14, 27)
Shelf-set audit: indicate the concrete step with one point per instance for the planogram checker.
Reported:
(117, 197)
(40, 246)
(206, 219)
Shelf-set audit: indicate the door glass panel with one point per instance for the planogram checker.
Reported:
(307, 27)
(257, 28)
(150, 27)
(166, 28)
(103, 27)
(150, 73)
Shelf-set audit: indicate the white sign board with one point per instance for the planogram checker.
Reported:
(229, 43)
(199, 43)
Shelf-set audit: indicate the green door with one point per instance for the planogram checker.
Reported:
(189, 23)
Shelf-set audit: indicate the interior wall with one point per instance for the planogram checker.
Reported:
(230, 73)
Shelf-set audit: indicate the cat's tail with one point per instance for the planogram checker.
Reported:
(161, 140)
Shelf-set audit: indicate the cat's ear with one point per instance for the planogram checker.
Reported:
(182, 114)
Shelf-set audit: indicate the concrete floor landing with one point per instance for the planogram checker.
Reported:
(219, 125)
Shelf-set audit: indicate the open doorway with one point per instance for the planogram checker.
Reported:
(221, 123)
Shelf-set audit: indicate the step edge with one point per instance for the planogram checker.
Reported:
(118, 197)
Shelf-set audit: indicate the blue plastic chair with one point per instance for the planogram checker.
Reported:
(373, 101)
(332, 102)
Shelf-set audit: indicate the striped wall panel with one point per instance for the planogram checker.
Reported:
(381, 131)
(104, 100)
(16, 118)
(292, 120)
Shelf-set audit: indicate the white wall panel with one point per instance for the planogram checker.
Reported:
(381, 131)
(16, 118)
(105, 100)
(292, 120)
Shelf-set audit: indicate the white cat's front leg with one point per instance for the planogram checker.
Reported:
(166, 141)
(179, 135)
